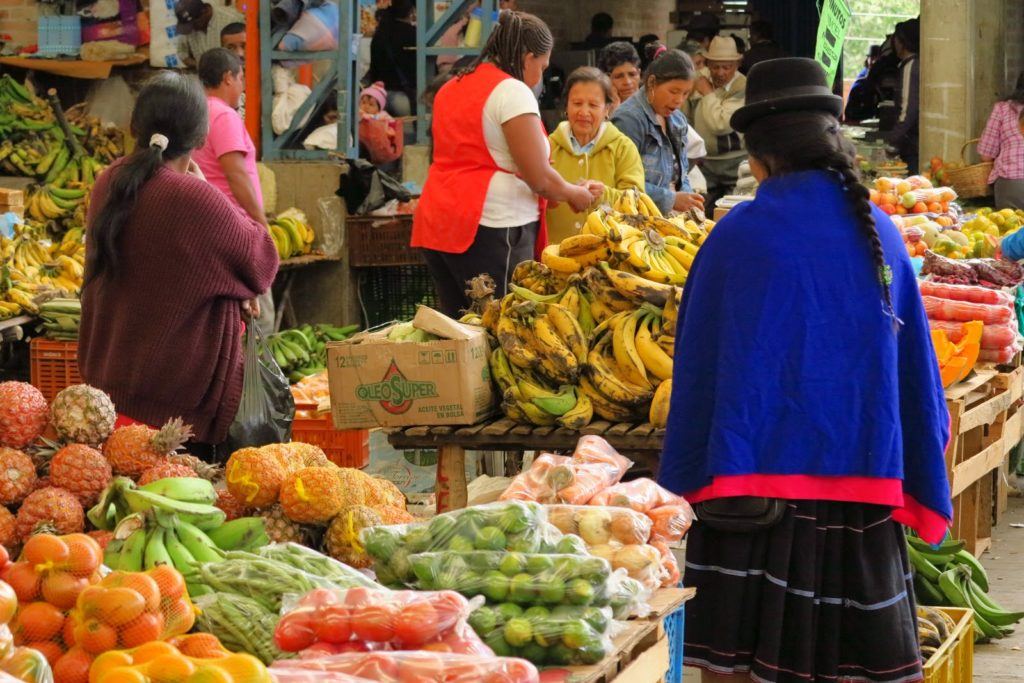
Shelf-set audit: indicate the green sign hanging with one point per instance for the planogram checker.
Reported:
(832, 28)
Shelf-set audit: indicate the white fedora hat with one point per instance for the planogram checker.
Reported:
(722, 49)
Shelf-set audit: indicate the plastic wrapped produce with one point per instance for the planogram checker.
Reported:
(157, 661)
(594, 466)
(312, 562)
(993, 337)
(513, 525)
(671, 516)
(410, 667)
(594, 449)
(1005, 355)
(965, 311)
(532, 483)
(970, 293)
(952, 270)
(560, 635)
(241, 623)
(284, 675)
(397, 620)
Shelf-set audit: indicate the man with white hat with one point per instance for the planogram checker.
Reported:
(717, 98)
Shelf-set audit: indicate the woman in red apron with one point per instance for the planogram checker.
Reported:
(483, 203)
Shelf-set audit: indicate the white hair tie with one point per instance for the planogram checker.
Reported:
(158, 140)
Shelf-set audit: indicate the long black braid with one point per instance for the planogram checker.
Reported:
(514, 36)
(810, 140)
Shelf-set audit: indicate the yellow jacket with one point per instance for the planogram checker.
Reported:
(614, 161)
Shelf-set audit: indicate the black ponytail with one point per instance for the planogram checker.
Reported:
(810, 140)
(172, 105)
(514, 36)
(667, 65)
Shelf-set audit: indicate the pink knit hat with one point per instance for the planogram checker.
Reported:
(377, 92)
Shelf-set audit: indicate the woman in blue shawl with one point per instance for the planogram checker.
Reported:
(807, 418)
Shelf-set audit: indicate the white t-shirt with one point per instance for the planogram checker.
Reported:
(510, 201)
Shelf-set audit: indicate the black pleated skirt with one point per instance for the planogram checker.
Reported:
(824, 595)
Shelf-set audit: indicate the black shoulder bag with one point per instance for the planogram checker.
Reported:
(741, 514)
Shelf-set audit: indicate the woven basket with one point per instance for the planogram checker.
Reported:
(970, 181)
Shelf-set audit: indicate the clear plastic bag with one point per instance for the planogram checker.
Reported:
(971, 293)
(513, 525)
(410, 667)
(27, 664)
(532, 483)
(241, 623)
(561, 635)
(965, 311)
(315, 563)
(993, 337)
(594, 466)
(283, 675)
(670, 514)
(393, 620)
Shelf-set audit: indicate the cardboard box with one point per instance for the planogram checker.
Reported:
(10, 198)
(719, 212)
(375, 382)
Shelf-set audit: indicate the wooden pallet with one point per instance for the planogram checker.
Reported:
(985, 425)
(502, 434)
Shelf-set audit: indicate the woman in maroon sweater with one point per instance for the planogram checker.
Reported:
(171, 266)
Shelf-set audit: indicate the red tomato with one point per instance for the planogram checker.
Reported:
(466, 643)
(295, 631)
(333, 625)
(417, 624)
(374, 623)
(357, 597)
(451, 608)
(319, 597)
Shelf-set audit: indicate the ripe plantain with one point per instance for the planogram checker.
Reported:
(658, 413)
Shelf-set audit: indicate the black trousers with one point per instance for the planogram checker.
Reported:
(495, 251)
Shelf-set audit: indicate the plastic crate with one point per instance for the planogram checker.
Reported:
(674, 632)
(953, 662)
(53, 365)
(375, 241)
(344, 447)
(59, 35)
(387, 294)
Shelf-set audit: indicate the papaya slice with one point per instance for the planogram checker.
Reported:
(969, 353)
(951, 371)
(943, 348)
(972, 333)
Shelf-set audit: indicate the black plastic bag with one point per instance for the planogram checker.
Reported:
(267, 408)
(364, 187)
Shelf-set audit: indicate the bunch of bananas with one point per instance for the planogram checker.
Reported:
(291, 234)
(61, 318)
(933, 628)
(36, 270)
(302, 352)
(951, 575)
(52, 203)
(171, 521)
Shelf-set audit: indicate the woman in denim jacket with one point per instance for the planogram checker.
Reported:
(652, 120)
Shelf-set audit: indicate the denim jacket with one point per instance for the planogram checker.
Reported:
(637, 121)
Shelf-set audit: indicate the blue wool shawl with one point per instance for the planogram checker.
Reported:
(787, 363)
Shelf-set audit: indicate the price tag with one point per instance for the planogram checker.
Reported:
(832, 28)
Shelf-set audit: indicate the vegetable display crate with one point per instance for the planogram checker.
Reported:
(343, 447)
(393, 293)
(53, 365)
(953, 662)
(380, 241)
(985, 426)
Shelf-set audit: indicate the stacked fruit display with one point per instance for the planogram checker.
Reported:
(196, 659)
(61, 318)
(402, 667)
(950, 575)
(302, 352)
(291, 234)
(17, 663)
(913, 195)
(956, 361)
(591, 329)
(36, 270)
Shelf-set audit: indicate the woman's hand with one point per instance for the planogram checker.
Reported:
(688, 200)
(704, 86)
(581, 198)
(194, 170)
(595, 187)
(251, 307)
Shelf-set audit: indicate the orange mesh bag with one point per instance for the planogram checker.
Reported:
(162, 661)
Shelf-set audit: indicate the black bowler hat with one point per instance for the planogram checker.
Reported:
(786, 84)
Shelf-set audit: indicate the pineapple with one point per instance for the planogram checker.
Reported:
(165, 470)
(392, 515)
(312, 495)
(83, 414)
(23, 414)
(354, 484)
(254, 475)
(51, 509)
(280, 529)
(134, 449)
(381, 492)
(8, 529)
(81, 470)
(312, 456)
(342, 538)
(231, 505)
(17, 476)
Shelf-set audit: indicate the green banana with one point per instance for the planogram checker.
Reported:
(926, 592)
(67, 193)
(988, 609)
(156, 549)
(112, 554)
(198, 543)
(244, 533)
(923, 566)
(183, 489)
(183, 560)
(199, 514)
(556, 404)
(967, 559)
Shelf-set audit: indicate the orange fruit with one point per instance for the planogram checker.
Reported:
(121, 606)
(144, 585)
(49, 649)
(201, 645)
(39, 621)
(152, 650)
(73, 666)
(61, 589)
(84, 554)
(23, 578)
(110, 660)
(169, 580)
(920, 207)
(170, 669)
(95, 637)
(123, 674)
(68, 632)
(45, 548)
(147, 627)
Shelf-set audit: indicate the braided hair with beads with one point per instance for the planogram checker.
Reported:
(514, 36)
(793, 141)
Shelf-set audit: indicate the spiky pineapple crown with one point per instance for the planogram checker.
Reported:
(171, 436)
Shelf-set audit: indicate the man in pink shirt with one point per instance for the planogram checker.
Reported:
(228, 157)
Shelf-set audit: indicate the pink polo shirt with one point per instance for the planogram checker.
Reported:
(227, 134)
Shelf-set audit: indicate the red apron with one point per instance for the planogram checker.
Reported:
(448, 213)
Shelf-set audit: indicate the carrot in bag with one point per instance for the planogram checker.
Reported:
(671, 522)
(642, 495)
(532, 484)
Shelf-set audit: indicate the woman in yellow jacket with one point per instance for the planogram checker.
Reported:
(589, 147)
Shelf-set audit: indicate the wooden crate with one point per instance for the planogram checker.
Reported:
(985, 425)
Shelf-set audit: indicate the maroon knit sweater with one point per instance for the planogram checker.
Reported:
(163, 337)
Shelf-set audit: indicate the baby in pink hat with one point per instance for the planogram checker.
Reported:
(372, 101)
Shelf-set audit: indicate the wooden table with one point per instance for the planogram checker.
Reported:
(502, 434)
(75, 68)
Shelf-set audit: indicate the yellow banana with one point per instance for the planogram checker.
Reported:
(595, 225)
(604, 378)
(660, 404)
(513, 343)
(501, 371)
(624, 350)
(670, 315)
(594, 256)
(574, 245)
(552, 258)
(601, 287)
(558, 362)
(571, 300)
(602, 407)
(626, 203)
(667, 344)
(568, 328)
(654, 358)
(682, 256)
(637, 252)
(525, 412)
(600, 311)
(580, 415)
(652, 208)
(638, 288)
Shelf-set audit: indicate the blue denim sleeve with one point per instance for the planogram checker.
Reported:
(1013, 246)
(662, 196)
